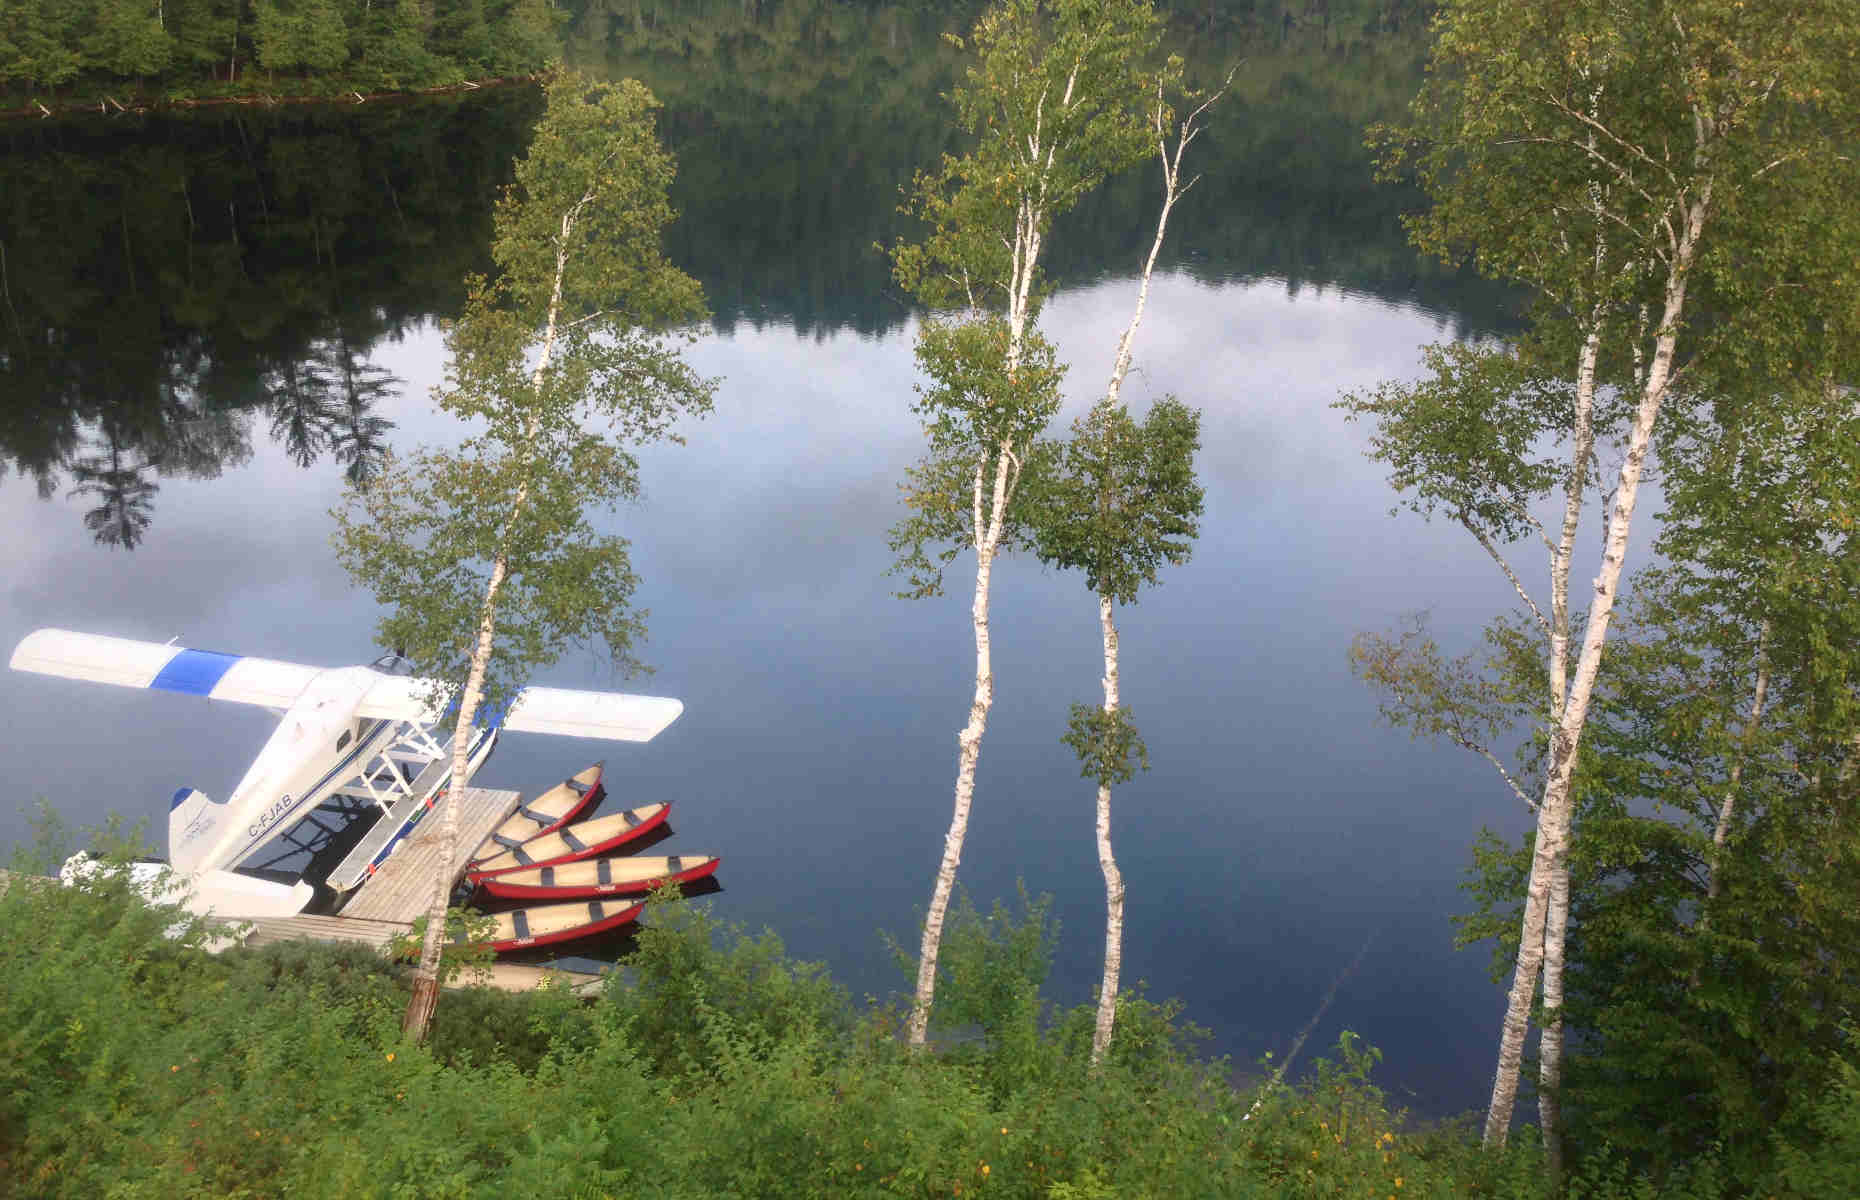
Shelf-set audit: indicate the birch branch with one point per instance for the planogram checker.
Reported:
(1516, 583)
(1510, 781)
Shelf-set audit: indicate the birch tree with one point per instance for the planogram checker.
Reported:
(1126, 502)
(1123, 502)
(1709, 129)
(484, 557)
(1712, 874)
(1056, 99)
(1485, 439)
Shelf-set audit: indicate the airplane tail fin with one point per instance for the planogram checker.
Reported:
(191, 820)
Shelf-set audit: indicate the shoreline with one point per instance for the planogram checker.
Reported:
(110, 106)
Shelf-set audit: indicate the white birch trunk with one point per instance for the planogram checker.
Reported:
(1723, 827)
(425, 996)
(969, 746)
(1556, 922)
(1553, 814)
(987, 525)
(1107, 862)
(1120, 367)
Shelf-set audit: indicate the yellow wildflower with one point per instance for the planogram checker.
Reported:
(1398, 1181)
(984, 1168)
(858, 1166)
(390, 1056)
(175, 1067)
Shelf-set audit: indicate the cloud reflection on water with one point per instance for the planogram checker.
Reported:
(1280, 826)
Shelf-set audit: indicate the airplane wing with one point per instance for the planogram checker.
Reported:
(614, 716)
(243, 679)
(127, 663)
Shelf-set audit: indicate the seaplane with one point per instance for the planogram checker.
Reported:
(371, 735)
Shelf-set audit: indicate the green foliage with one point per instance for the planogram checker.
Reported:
(465, 949)
(136, 1064)
(1471, 700)
(990, 972)
(976, 412)
(1124, 499)
(1559, 141)
(308, 35)
(1829, 1163)
(1056, 97)
(1107, 744)
(1476, 439)
(334, 46)
(691, 971)
(583, 284)
(1711, 955)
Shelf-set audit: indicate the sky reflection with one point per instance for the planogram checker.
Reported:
(1280, 829)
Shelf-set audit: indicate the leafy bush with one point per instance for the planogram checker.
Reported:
(133, 1062)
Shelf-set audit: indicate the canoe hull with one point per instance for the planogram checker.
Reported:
(585, 839)
(547, 813)
(545, 924)
(542, 883)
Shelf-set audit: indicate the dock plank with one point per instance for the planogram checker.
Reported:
(309, 927)
(402, 888)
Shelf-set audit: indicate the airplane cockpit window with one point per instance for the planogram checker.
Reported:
(347, 737)
(392, 664)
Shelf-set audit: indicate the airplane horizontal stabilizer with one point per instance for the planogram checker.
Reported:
(229, 896)
(127, 663)
(223, 895)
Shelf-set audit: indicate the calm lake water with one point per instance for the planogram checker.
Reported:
(237, 303)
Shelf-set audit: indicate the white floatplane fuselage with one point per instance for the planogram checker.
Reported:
(344, 730)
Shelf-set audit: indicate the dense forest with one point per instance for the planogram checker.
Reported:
(103, 52)
(172, 48)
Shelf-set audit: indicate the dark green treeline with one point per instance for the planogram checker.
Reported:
(54, 48)
(63, 49)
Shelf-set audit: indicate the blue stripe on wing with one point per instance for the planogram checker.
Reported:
(194, 672)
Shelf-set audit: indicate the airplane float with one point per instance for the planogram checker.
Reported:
(361, 733)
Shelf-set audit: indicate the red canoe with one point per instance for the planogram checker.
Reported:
(545, 814)
(542, 924)
(600, 877)
(584, 839)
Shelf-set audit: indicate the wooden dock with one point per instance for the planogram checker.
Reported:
(384, 907)
(402, 887)
(508, 977)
